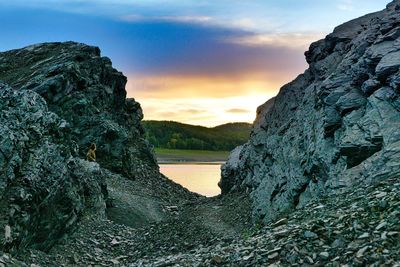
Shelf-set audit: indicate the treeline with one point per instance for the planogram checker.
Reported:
(175, 135)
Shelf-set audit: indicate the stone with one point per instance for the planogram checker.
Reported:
(364, 236)
(381, 226)
(309, 260)
(7, 233)
(280, 222)
(309, 234)
(370, 86)
(324, 255)
(380, 194)
(360, 252)
(389, 64)
(392, 233)
(273, 256)
(115, 262)
(217, 259)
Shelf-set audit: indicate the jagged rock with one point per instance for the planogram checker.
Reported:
(370, 86)
(334, 126)
(61, 97)
(44, 189)
(388, 65)
(89, 94)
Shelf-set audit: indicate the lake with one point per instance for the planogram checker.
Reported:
(200, 178)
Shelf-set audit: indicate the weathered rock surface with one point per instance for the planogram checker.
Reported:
(60, 98)
(334, 126)
(43, 188)
(89, 94)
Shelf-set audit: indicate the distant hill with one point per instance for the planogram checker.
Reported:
(175, 135)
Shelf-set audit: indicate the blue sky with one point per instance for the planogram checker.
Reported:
(193, 61)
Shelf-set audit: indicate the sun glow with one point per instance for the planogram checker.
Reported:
(201, 101)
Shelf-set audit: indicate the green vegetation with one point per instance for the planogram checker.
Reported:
(179, 155)
(175, 135)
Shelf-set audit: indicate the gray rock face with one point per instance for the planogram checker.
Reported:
(333, 126)
(89, 94)
(56, 99)
(43, 188)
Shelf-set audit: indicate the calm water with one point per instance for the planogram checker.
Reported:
(199, 178)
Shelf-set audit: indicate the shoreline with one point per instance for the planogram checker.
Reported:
(177, 156)
(191, 162)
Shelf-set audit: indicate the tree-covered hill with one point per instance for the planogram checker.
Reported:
(175, 135)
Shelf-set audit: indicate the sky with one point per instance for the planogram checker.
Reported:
(203, 62)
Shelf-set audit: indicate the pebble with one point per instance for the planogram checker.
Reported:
(217, 259)
(360, 253)
(280, 222)
(273, 256)
(381, 194)
(364, 236)
(324, 255)
(309, 234)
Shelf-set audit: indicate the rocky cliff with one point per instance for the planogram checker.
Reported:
(43, 188)
(334, 126)
(55, 100)
(89, 94)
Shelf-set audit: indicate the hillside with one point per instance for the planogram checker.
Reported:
(335, 126)
(175, 135)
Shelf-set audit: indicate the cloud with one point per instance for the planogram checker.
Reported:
(346, 5)
(189, 86)
(193, 111)
(237, 110)
(173, 19)
(289, 40)
(172, 49)
(212, 110)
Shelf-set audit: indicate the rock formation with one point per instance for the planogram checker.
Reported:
(43, 188)
(334, 126)
(89, 94)
(55, 100)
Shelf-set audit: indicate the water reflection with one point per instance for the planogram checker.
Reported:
(199, 178)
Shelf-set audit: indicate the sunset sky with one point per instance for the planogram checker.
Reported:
(204, 62)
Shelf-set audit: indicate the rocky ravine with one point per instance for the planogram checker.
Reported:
(335, 126)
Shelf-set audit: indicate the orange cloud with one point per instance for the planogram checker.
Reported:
(173, 86)
(237, 110)
(203, 100)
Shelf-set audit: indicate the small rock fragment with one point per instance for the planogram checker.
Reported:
(324, 255)
(364, 236)
(309, 234)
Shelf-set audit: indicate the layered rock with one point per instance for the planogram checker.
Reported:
(89, 94)
(334, 126)
(43, 188)
(55, 100)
